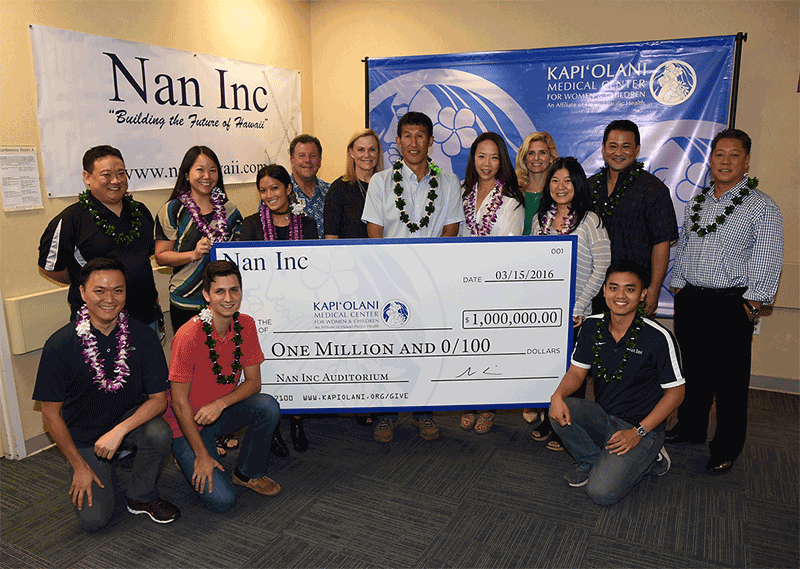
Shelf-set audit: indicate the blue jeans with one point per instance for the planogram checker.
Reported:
(612, 475)
(260, 412)
(150, 442)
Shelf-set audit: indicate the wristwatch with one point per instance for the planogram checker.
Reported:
(641, 431)
(753, 310)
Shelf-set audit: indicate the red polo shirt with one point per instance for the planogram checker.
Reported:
(190, 363)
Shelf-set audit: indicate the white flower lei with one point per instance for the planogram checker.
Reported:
(91, 355)
(490, 217)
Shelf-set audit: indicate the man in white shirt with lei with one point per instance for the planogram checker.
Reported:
(415, 198)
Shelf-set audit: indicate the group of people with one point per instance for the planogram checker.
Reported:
(103, 380)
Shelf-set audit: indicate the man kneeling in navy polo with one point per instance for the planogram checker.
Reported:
(618, 438)
(102, 382)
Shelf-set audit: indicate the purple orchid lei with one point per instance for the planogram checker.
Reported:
(490, 217)
(549, 218)
(295, 223)
(217, 230)
(91, 355)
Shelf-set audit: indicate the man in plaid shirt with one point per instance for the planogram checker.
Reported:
(727, 265)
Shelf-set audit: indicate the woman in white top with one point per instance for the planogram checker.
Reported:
(563, 210)
(493, 205)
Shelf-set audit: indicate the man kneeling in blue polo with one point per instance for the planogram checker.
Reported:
(618, 438)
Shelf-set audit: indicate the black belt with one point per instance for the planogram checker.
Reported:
(730, 291)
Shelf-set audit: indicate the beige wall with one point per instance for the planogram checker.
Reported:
(344, 32)
(271, 32)
(326, 42)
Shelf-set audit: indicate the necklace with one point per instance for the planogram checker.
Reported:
(207, 317)
(362, 188)
(751, 184)
(397, 176)
(91, 355)
(605, 207)
(550, 217)
(490, 217)
(271, 234)
(108, 229)
(630, 344)
(217, 230)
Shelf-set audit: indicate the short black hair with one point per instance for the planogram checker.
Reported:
(216, 269)
(739, 135)
(626, 266)
(304, 139)
(417, 119)
(97, 152)
(100, 264)
(625, 126)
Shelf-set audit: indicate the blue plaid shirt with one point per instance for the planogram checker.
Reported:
(315, 205)
(745, 251)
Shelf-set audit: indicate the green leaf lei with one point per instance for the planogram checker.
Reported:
(108, 229)
(752, 184)
(600, 189)
(205, 317)
(630, 343)
(397, 176)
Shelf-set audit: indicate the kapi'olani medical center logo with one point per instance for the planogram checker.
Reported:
(673, 82)
(395, 313)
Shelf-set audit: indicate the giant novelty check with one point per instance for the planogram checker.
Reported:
(409, 323)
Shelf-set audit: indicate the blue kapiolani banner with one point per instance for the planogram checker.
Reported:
(677, 91)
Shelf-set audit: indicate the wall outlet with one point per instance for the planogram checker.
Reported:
(757, 327)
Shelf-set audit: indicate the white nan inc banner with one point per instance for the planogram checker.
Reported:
(153, 103)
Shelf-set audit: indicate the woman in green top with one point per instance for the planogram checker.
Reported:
(535, 155)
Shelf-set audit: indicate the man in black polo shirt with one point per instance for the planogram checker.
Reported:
(618, 438)
(635, 207)
(102, 383)
(106, 222)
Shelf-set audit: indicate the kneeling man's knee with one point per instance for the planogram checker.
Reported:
(603, 492)
(266, 404)
(157, 433)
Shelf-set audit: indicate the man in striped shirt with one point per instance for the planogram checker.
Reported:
(727, 264)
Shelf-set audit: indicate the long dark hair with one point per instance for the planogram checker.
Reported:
(580, 199)
(506, 171)
(182, 184)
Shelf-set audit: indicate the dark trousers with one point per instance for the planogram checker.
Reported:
(151, 443)
(715, 336)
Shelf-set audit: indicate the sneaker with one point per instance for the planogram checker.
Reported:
(662, 462)
(384, 431)
(428, 429)
(579, 476)
(160, 511)
(264, 485)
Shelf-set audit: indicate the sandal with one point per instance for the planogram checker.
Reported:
(530, 415)
(555, 444)
(467, 421)
(484, 424)
(230, 442)
(542, 432)
(221, 451)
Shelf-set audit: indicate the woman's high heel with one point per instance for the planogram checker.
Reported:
(299, 440)
(278, 447)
